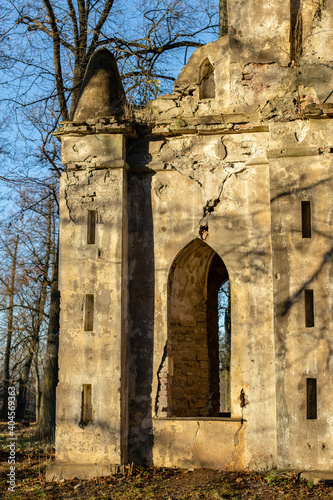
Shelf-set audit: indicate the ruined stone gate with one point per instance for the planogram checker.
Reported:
(226, 180)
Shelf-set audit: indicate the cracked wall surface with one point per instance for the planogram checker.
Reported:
(94, 357)
(301, 264)
(227, 174)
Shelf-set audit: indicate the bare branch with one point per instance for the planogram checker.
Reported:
(57, 60)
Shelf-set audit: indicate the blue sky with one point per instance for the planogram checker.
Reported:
(23, 86)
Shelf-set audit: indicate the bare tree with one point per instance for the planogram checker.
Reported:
(11, 291)
(28, 305)
(37, 306)
(50, 43)
(50, 379)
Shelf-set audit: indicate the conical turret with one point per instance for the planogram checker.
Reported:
(102, 94)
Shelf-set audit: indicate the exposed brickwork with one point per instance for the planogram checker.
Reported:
(190, 381)
(193, 333)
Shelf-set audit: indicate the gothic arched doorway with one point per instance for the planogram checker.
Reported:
(198, 349)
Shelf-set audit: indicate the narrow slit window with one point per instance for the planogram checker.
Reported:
(223, 18)
(309, 309)
(207, 80)
(311, 398)
(295, 30)
(91, 227)
(306, 219)
(89, 313)
(86, 403)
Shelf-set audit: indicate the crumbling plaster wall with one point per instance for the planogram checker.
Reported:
(225, 191)
(260, 39)
(254, 68)
(316, 62)
(211, 443)
(96, 357)
(299, 264)
(215, 144)
(217, 170)
(230, 199)
(259, 30)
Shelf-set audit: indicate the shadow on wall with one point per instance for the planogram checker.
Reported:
(310, 231)
(141, 318)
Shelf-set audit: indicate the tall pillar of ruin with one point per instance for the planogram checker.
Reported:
(91, 432)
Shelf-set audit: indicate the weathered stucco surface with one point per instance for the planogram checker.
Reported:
(187, 442)
(298, 264)
(182, 184)
(97, 357)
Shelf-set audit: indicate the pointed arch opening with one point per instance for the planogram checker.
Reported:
(207, 80)
(198, 341)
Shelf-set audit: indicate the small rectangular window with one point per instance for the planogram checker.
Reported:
(89, 313)
(306, 219)
(311, 398)
(91, 227)
(309, 310)
(86, 404)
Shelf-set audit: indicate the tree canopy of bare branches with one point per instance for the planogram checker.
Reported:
(45, 46)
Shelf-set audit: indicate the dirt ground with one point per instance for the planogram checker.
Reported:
(32, 458)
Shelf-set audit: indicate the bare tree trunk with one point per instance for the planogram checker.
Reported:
(34, 343)
(46, 423)
(4, 411)
(43, 296)
(37, 387)
(223, 19)
(23, 387)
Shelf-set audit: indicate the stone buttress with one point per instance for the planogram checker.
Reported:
(92, 414)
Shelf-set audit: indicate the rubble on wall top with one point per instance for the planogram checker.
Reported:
(107, 125)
